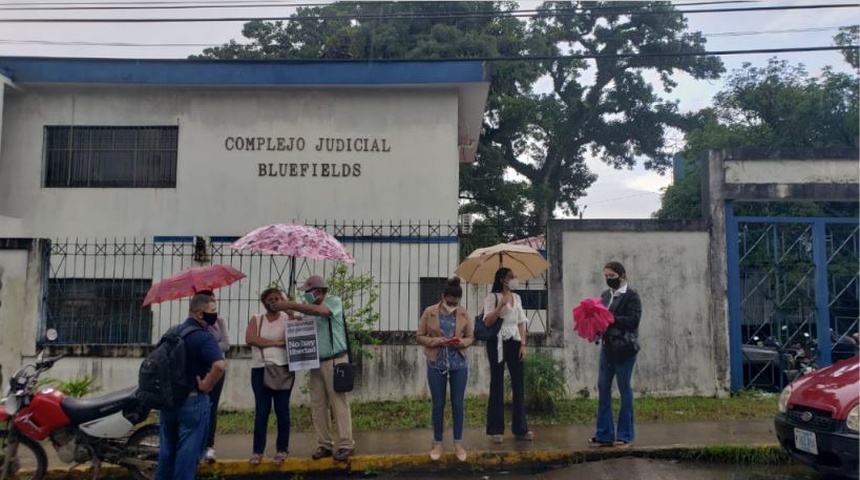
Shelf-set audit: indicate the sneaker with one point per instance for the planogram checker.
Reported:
(496, 438)
(210, 455)
(343, 454)
(436, 451)
(321, 452)
(255, 458)
(460, 452)
(279, 458)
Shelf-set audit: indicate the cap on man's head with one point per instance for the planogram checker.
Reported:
(314, 281)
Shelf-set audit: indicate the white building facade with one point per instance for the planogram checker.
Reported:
(137, 169)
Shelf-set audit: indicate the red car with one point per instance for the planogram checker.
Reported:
(819, 418)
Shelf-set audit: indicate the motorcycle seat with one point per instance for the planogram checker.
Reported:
(84, 410)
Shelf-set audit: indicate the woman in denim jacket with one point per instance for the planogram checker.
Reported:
(446, 331)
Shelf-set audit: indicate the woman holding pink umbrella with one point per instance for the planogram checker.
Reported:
(619, 346)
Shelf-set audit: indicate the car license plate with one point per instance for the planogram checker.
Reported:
(805, 441)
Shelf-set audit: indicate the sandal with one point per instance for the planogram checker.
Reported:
(279, 458)
(255, 458)
(593, 442)
(527, 437)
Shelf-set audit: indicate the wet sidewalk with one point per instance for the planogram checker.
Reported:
(407, 449)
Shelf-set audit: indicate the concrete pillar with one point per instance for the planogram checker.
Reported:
(714, 204)
(21, 268)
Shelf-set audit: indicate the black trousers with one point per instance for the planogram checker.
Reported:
(214, 397)
(496, 403)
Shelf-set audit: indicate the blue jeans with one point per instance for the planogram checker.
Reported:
(182, 433)
(623, 372)
(438, 383)
(263, 399)
(496, 402)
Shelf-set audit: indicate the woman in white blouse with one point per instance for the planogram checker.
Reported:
(508, 347)
(266, 334)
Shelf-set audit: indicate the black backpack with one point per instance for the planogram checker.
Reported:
(162, 381)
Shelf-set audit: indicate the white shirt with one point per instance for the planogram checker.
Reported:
(511, 317)
(276, 330)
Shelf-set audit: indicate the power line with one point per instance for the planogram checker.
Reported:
(205, 2)
(175, 44)
(419, 16)
(544, 58)
(167, 5)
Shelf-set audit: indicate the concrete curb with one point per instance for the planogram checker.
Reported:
(478, 460)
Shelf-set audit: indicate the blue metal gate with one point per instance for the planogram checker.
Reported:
(789, 279)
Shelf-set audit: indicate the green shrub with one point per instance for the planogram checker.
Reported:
(77, 387)
(359, 295)
(544, 383)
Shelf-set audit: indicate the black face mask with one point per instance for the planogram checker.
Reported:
(210, 318)
(613, 283)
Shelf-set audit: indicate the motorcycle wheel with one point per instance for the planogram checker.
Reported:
(30, 462)
(144, 443)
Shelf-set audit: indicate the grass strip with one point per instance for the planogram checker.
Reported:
(415, 413)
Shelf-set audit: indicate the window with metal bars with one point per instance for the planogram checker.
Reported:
(103, 311)
(110, 157)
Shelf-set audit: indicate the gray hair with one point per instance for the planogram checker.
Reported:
(199, 303)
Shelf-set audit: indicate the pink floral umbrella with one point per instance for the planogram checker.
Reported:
(294, 241)
(591, 318)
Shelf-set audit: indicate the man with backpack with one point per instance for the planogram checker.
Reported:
(184, 421)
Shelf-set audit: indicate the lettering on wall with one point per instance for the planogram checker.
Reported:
(300, 144)
(309, 169)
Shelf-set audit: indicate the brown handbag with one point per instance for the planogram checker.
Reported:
(275, 377)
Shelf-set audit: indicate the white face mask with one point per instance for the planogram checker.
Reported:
(448, 309)
(514, 283)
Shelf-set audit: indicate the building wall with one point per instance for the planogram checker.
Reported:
(220, 191)
(667, 263)
(20, 301)
(790, 171)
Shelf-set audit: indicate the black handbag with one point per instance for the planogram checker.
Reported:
(482, 331)
(620, 344)
(344, 373)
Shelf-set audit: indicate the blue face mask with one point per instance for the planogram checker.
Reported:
(310, 298)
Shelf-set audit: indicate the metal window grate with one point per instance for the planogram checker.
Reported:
(111, 157)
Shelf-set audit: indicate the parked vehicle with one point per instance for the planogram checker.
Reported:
(819, 418)
(770, 366)
(94, 430)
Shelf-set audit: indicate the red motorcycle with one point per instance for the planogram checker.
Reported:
(94, 430)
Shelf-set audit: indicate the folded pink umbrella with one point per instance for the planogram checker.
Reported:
(591, 318)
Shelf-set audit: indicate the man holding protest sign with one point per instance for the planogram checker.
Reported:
(331, 344)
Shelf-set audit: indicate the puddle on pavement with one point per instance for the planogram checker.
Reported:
(622, 468)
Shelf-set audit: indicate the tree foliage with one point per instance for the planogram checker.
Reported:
(543, 119)
(777, 109)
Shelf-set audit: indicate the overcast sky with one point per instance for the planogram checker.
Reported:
(616, 194)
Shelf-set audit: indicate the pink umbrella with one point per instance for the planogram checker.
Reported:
(294, 241)
(188, 282)
(591, 318)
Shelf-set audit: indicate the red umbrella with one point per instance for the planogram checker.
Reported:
(188, 282)
(591, 318)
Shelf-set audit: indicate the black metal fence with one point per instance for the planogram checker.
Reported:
(95, 287)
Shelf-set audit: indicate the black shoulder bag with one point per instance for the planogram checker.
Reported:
(483, 332)
(344, 373)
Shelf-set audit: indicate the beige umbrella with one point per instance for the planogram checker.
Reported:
(481, 265)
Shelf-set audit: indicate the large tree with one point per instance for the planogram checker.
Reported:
(771, 109)
(599, 104)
